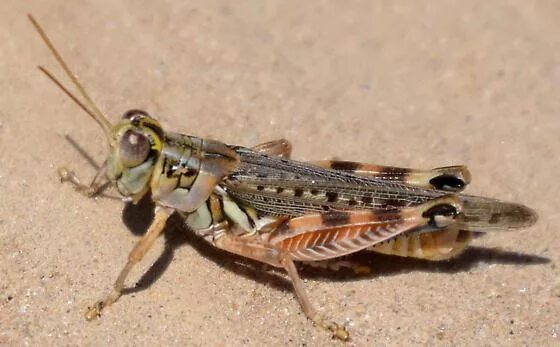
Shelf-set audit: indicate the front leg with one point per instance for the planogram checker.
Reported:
(140, 249)
(97, 185)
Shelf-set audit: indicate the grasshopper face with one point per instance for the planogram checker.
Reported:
(134, 148)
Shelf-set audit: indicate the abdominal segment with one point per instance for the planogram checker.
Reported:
(436, 245)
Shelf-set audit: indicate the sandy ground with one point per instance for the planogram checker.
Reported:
(400, 83)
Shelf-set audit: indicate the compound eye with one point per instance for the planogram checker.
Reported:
(134, 148)
(132, 114)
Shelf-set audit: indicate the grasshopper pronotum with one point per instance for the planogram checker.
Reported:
(258, 203)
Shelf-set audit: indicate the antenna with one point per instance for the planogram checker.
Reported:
(65, 90)
(94, 112)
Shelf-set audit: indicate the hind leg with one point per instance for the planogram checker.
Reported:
(254, 249)
(447, 178)
(280, 148)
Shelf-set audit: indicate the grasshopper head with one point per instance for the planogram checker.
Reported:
(134, 147)
(134, 143)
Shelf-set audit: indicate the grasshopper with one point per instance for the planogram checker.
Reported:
(260, 204)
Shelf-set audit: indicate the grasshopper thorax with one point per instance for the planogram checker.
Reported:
(135, 146)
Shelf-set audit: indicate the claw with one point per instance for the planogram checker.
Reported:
(337, 330)
(94, 311)
(67, 175)
(64, 174)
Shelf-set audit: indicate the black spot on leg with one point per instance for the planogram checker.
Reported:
(441, 209)
(445, 210)
(260, 188)
(448, 183)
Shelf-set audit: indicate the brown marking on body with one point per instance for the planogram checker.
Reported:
(393, 203)
(344, 165)
(384, 172)
(495, 218)
(400, 171)
(336, 218)
(367, 200)
(331, 196)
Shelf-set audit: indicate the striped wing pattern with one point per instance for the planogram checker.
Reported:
(281, 187)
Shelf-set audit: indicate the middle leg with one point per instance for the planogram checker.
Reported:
(137, 253)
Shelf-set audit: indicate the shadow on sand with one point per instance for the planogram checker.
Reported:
(137, 219)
